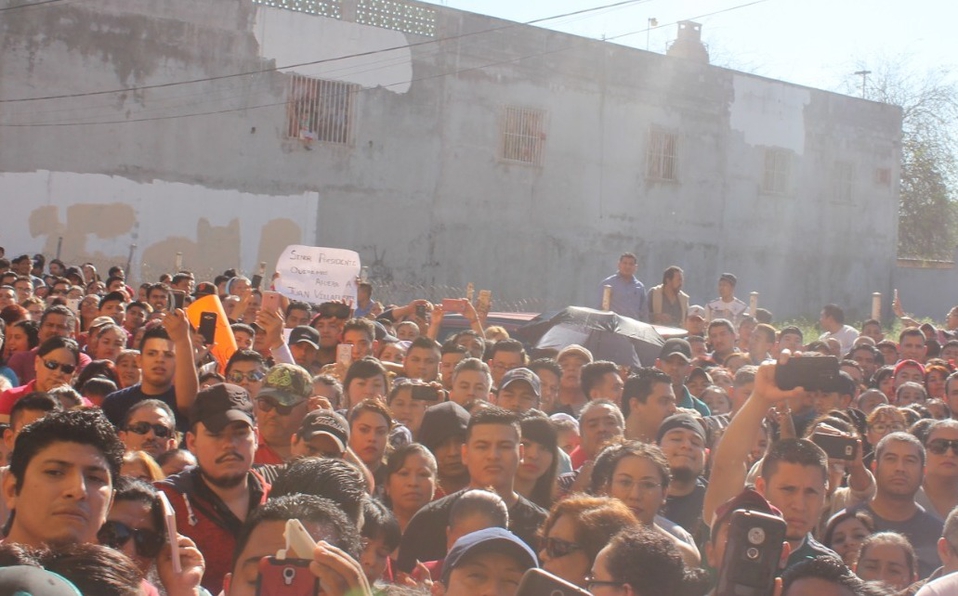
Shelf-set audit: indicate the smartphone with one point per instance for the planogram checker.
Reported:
(344, 354)
(208, 327)
(538, 582)
(425, 393)
(179, 296)
(420, 311)
(169, 517)
(451, 305)
(178, 262)
(836, 447)
(814, 373)
(74, 305)
(286, 577)
(271, 301)
(752, 555)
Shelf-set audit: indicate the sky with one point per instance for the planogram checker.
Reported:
(818, 43)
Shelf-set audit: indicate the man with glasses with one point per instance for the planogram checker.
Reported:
(504, 356)
(281, 406)
(150, 426)
(939, 494)
(57, 321)
(247, 369)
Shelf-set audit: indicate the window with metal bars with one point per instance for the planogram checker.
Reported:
(523, 134)
(661, 157)
(320, 110)
(777, 167)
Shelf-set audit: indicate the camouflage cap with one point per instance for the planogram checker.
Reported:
(288, 383)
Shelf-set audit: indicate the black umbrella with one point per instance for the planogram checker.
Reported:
(609, 336)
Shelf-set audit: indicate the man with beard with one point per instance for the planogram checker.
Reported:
(149, 426)
(213, 499)
(682, 439)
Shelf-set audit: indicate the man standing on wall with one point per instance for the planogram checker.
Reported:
(628, 293)
(668, 304)
(726, 306)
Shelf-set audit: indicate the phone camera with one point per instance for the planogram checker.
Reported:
(289, 574)
(752, 553)
(756, 535)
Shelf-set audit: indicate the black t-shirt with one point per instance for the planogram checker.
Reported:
(425, 536)
(686, 510)
(118, 403)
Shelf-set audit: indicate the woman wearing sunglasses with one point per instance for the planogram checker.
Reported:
(56, 363)
(135, 527)
(576, 530)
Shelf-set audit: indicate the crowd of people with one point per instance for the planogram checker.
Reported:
(426, 459)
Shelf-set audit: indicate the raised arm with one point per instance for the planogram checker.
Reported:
(185, 381)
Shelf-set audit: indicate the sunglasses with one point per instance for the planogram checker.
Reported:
(141, 428)
(268, 405)
(53, 365)
(941, 446)
(114, 534)
(557, 548)
(253, 376)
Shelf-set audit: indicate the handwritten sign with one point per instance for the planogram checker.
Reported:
(316, 275)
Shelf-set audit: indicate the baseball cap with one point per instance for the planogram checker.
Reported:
(205, 288)
(218, 405)
(729, 278)
(696, 311)
(27, 580)
(521, 374)
(325, 423)
(676, 346)
(304, 334)
(574, 350)
(288, 383)
(686, 421)
(441, 422)
(747, 499)
(487, 540)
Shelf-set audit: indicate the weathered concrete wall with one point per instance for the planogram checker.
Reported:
(927, 288)
(421, 185)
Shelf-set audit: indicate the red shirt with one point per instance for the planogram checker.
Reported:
(12, 396)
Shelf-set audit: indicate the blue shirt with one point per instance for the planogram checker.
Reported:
(628, 297)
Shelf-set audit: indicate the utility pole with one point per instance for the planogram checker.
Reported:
(864, 75)
(653, 22)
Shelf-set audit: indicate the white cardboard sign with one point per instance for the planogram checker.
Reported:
(316, 275)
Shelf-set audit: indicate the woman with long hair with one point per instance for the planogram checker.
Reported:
(410, 481)
(537, 472)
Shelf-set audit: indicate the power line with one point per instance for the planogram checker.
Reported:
(414, 80)
(316, 62)
(701, 16)
(41, 3)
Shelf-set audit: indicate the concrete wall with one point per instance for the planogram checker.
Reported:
(927, 288)
(421, 190)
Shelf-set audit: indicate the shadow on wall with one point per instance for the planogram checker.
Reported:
(215, 248)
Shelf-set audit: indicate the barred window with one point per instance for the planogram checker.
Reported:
(320, 110)
(777, 167)
(843, 181)
(523, 134)
(662, 157)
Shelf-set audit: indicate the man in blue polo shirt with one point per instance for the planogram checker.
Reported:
(628, 293)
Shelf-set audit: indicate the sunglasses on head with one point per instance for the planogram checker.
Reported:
(556, 547)
(253, 376)
(941, 446)
(53, 365)
(115, 534)
(141, 428)
(268, 405)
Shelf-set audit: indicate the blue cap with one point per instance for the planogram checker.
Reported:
(521, 374)
(487, 540)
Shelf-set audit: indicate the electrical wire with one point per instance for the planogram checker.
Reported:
(31, 5)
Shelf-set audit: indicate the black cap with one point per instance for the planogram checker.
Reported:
(304, 334)
(218, 405)
(676, 346)
(442, 421)
(325, 423)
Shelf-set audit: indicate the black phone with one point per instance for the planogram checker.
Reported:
(425, 392)
(538, 582)
(179, 297)
(257, 281)
(420, 311)
(814, 373)
(752, 554)
(834, 446)
(208, 327)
